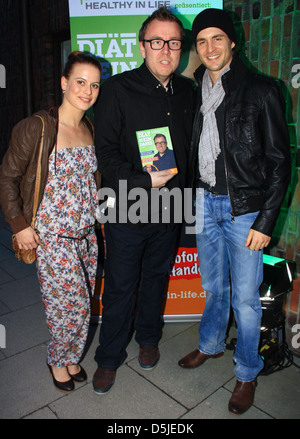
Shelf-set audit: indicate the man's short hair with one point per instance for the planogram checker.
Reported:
(159, 135)
(161, 14)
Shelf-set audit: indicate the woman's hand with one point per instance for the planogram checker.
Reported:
(27, 239)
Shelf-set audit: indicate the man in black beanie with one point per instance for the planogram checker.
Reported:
(240, 168)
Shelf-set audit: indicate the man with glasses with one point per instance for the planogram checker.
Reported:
(139, 253)
(164, 159)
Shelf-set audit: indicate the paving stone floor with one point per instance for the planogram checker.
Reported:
(167, 393)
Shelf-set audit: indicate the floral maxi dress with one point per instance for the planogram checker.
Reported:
(67, 254)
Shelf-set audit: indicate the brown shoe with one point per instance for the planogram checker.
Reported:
(148, 357)
(242, 397)
(195, 359)
(103, 380)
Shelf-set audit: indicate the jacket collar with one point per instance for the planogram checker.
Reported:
(51, 117)
(53, 113)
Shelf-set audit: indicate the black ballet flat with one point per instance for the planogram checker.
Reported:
(65, 387)
(80, 376)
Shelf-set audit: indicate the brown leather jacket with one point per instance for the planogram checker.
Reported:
(19, 165)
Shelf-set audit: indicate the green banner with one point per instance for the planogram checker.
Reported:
(109, 30)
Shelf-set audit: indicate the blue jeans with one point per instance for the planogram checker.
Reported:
(229, 270)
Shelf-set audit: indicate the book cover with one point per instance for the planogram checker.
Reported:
(156, 150)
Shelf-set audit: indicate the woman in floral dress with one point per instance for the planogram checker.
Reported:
(64, 232)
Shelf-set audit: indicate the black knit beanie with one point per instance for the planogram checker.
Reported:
(213, 18)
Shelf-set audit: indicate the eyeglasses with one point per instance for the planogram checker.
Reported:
(160, 143)
(158, 44)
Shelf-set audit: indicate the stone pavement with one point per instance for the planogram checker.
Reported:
(167, 393)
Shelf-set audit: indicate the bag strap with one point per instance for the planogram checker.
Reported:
(38, 174)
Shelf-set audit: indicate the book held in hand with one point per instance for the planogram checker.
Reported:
(156, 150)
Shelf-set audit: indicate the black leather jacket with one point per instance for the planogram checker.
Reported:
(256, 144)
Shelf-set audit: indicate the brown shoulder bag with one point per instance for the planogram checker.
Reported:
(29, 256)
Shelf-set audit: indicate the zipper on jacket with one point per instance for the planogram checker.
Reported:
(225, 165)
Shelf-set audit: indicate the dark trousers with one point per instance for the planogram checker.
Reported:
(135, 259)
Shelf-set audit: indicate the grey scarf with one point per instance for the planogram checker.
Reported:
(209, 144)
